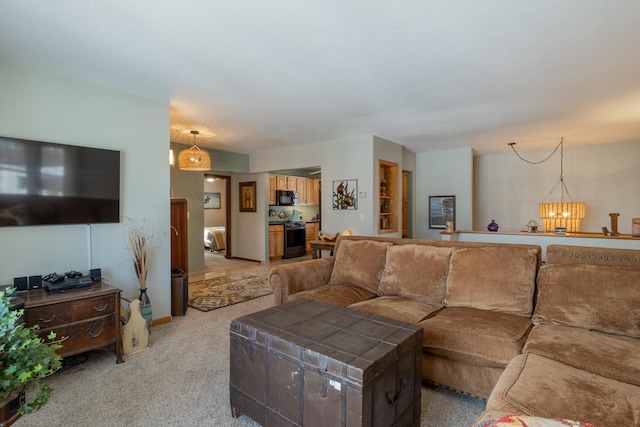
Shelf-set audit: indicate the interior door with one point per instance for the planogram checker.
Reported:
(179, 236)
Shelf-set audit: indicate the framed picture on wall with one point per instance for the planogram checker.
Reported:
(212, 200)
(442, 209)
(248, 196)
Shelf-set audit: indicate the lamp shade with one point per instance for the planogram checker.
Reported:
(194, 159)
(566, 215)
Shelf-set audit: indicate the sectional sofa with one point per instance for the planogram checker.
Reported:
(559, 340)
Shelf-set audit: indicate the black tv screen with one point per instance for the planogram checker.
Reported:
(42, 183)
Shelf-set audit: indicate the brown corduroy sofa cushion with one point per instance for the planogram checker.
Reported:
(417, 272)
(359, 263)
(492, 336)
(535, 385)
(595, 297)
(612, 356)
(495, 278)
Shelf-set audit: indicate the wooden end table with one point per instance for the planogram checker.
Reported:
(317, 246)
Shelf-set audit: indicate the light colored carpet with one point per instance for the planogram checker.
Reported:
(218, 292)
(183, 380)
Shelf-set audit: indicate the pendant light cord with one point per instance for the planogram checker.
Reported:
(561, 180)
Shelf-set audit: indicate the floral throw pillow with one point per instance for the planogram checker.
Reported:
(527, 421)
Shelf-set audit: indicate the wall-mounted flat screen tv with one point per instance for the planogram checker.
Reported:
(42, 183)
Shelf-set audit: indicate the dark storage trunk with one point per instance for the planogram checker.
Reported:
(316, 364)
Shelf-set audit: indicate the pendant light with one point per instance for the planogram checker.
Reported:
(563, 216)
(194, 159)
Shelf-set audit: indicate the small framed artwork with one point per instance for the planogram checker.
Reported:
(344, 194)
(248, 196)
(442, 209)
(212, 200)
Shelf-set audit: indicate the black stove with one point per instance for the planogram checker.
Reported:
(295, 224)
(295, 239)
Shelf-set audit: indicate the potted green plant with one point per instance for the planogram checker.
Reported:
(25, 359)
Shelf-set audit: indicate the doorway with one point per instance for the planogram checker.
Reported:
(217, 215)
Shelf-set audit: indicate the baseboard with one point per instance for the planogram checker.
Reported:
(161, 320)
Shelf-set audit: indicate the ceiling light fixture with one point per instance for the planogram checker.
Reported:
(561, 215)
(194, 159)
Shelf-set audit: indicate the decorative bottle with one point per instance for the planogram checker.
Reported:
(493, 226)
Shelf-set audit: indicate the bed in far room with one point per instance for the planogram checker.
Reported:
(215, 238)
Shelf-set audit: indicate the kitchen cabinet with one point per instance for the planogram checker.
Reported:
(273, 185)
(276, 241)
(292, 183)
(301, 188)
(312, 234)
(387, 197)
(308, 189)
(312, 198)
(281, 182)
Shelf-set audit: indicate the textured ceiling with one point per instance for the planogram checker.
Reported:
(430, 75)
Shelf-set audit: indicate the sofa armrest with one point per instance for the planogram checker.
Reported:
(288, 279)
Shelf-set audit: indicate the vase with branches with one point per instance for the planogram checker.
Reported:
(139, 238)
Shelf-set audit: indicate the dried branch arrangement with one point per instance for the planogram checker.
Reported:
(139, 235)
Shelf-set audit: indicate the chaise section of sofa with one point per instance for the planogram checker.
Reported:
(580, 360)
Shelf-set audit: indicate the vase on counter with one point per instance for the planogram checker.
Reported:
(493, 226)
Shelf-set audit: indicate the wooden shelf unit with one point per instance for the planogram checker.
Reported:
(387, 197)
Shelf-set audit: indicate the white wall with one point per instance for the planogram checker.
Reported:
(604, 176)
(216, 217)
(250, 232)
(443, 173)
(40, 106)
(349, 158)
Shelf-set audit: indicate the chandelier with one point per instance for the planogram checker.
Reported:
(194, 159)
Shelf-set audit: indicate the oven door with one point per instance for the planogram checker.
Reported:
(295, 242)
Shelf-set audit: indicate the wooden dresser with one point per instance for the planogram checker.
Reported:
(89, 318)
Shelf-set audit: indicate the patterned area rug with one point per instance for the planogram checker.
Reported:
(209, 294)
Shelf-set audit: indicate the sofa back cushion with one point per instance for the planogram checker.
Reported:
(359, 263)
(594, 297)
(417, 272)
(493, 278)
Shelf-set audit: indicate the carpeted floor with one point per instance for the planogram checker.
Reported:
(183, 380)
(210, 294)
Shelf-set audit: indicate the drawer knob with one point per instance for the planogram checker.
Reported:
(101, 307)
(95, 334)
(75, 306)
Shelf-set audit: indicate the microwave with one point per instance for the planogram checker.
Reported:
(286, 198)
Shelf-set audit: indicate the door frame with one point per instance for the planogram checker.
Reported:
(227, 209)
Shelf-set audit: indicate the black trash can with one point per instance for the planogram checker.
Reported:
(179, 292)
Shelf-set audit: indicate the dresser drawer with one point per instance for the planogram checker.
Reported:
(84, 335)
(69, 312)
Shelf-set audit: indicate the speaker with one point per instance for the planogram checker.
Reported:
(21, 284)
(96, 274)
(35, 282)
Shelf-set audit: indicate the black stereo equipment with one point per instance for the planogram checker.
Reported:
(21, 284)
(35, 282)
